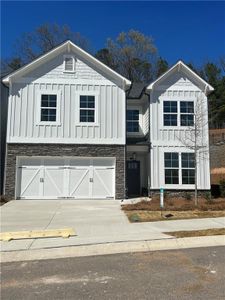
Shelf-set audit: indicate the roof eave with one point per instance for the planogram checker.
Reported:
(178, 64)
(124, 80)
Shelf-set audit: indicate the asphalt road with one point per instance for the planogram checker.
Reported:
(182, 274)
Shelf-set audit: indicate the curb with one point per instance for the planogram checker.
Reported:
(113, 248)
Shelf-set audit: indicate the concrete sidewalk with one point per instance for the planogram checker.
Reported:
(113, 248)
(96, 222)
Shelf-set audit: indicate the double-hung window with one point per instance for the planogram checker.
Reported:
(186, 113)
(170, 113)
(133, 120)
(87, 108)
(171, 164)
(48, 108)
(188, 168)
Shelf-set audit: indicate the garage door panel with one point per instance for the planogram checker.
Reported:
(79, 183)
(30, 178)
(103, 183)
(53, 182)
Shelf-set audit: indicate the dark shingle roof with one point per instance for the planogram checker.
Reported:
(136, 90)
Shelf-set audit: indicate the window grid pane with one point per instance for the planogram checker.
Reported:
(170, 120)
(132, 120)
(87, 101)
(170, 106)
(48, 115)
(48, 100)
(186, 120)
(187, 107)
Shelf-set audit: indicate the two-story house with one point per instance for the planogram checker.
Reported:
(77, 129)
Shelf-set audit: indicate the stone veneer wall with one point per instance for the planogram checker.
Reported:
(15, 150)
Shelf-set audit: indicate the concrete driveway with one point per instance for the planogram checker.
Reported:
(94, 221)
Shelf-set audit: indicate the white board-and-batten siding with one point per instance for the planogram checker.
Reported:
(24, 106)
(172, 139)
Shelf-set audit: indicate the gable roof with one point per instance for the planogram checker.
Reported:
(69, 46)
(180, 65)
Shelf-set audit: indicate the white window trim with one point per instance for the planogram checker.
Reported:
(77, 117)
(173, 113)
(58, 94)
(184, 186)
(178, 114)
(138, 133)
(64, 64)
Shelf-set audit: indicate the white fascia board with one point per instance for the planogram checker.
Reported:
(178, 65)
(32, 64)
(68, 45)
(99, 64)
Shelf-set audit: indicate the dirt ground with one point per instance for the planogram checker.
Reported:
(175, 208)
(193, 233)
(177, 204)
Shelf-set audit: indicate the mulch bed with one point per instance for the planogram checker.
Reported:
(177, 204)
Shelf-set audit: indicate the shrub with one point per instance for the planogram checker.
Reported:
(187, 196)
(222, 188)
(208, 197)
(135, 218)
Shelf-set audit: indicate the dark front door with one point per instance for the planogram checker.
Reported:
(133, 178)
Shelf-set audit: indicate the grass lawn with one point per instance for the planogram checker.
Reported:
(193, 233)
(175, 209)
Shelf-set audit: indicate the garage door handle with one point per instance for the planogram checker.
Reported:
(91, 179)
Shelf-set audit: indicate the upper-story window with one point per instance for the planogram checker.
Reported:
(170, 113)
(87, 108)
(69, 63)
(171, 117)
(48, 108)
(133, 120)
(186, 113)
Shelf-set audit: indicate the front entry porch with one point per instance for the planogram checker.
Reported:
(137, 170)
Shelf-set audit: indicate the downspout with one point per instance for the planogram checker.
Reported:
(7, 134)
(125, 163)
(149, 137)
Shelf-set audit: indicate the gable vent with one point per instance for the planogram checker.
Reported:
(69, 64)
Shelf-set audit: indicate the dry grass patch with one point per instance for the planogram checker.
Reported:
(177, 204)
(193, 233)
(151, 216)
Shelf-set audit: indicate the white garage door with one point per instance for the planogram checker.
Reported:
(56, 177)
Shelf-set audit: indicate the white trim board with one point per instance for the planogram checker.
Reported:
(180, 64)
(79, 52)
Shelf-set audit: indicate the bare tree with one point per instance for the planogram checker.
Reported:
(195, 137)
(133, 55)
(44, 38)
